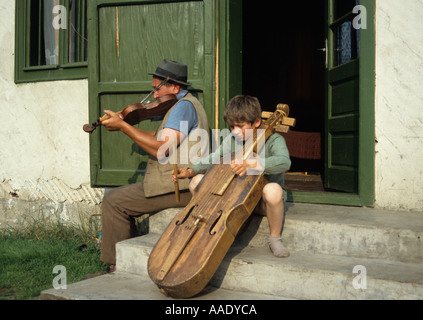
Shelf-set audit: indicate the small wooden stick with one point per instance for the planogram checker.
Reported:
(175, 170)
(117, 30)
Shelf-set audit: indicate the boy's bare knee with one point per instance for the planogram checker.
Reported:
(272, 193)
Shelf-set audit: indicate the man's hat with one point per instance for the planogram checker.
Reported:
(174, 70)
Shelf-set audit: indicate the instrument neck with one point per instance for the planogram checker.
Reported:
(260, 135)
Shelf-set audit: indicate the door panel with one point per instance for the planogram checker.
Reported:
(128, 39)
(342, 103)
(344, 86)
(147, 33)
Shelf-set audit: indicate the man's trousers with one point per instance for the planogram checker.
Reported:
(119, 208)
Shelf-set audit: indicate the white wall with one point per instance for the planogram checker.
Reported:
(399, 104)
(44, 153)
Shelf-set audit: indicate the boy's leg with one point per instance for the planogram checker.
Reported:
(272, 206)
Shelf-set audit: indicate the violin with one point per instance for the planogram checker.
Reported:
(194, 244)
(137, 112)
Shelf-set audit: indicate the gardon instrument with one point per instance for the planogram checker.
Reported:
(194, 244)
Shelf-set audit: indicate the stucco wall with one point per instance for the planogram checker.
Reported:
(399, 104)
(44, 153)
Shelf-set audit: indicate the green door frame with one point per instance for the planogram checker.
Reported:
(228, 55)
(230, 83)
(365, 195)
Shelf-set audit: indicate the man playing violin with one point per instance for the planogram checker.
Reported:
(156, 191)
(243, 115)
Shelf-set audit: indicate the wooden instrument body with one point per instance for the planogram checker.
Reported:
(194, 244)
(186, 251)
(155, 111)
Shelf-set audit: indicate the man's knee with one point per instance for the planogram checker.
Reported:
(108, 197)
(111, 199)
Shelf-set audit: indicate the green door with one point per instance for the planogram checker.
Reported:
(349, 125)
(342, 112)
(128, 39)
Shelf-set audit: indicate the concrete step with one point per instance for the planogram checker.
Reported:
(126, 286)
(334, 230)
(303, 275)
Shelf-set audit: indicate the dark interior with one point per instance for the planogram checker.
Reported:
(283, 64)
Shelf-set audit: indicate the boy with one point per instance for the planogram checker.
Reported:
(242, 114)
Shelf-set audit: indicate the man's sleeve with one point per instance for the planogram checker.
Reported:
(183, 111)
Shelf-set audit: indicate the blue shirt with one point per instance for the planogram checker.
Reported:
(183, 116)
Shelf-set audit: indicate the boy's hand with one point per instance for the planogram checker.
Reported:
(242, 168)
(182, 174)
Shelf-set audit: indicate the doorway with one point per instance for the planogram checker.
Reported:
(283, 62)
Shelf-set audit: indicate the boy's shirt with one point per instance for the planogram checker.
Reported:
(275, 163)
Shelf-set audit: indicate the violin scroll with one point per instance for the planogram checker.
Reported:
(283, 108)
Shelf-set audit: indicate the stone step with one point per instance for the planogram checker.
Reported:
(302, 275)
(334, 230)
(126, 286)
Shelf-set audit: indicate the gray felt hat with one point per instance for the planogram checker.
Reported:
(174, 70)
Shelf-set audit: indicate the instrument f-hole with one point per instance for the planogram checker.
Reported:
(178, 223)
(219, 214)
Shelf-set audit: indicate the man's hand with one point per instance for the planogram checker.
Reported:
(182, 174)
(114, 123)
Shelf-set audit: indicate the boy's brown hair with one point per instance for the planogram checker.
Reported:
(242, 108)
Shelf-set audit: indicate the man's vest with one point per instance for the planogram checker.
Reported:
(157, 178)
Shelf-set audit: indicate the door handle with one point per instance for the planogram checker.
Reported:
(325, 50)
